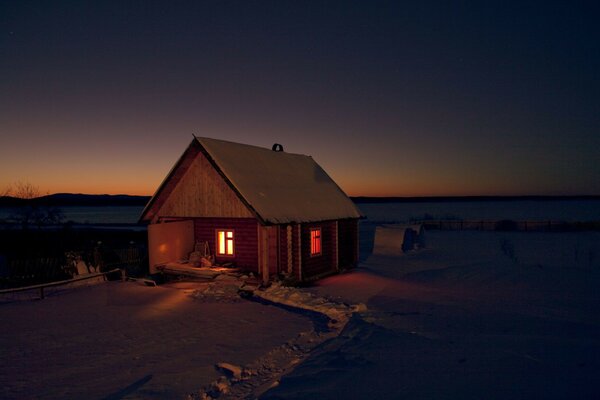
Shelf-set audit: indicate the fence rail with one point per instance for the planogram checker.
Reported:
(510, 225)
(43, 286)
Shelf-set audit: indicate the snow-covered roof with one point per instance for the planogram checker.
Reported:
(280, 187)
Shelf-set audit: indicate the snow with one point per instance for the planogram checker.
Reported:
(396, 239)
(233, 370)
(281, 187)
(122, 339)
(474, 315)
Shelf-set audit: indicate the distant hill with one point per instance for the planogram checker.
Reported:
(74, 199)
(448, 199)
(77, 199)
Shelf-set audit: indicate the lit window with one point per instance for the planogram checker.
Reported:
(315, 241)
(224, 243)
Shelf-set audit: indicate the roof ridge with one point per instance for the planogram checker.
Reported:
(201, 138)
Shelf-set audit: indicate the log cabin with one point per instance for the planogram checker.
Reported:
(263, 210)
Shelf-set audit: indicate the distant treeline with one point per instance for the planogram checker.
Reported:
(70, 199)
(448, 199)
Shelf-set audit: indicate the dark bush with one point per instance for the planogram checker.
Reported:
(38, 256)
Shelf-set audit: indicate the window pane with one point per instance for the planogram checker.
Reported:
(230, 245)
(315, 241)
(221, 242)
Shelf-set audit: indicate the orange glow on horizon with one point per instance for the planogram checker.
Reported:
(355, 192)
(369, 181)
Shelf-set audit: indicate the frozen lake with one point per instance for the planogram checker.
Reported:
(93, 215)
(530, 210)
(519, 210)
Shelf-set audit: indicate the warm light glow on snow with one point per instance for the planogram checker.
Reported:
(162, 304)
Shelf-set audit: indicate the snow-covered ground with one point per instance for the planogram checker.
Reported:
(474, 315)
(495, 315)
(124, 340)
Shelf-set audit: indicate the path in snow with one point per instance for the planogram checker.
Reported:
(250, 381)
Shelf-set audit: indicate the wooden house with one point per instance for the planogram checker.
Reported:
(263, 210)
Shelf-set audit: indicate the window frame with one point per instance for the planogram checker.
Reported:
(232, 239)
(316, 239)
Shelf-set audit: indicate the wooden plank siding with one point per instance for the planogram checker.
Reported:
(263, 267)
(296, 253)
(335, 251)
(268, 251)
(245, 239)
(172, 180)
(347, 242)
(273, 250)
(288, 259)
(201, 192)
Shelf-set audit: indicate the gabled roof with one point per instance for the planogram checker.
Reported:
(278, 187)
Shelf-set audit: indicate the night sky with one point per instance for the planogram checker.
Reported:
(391, 98)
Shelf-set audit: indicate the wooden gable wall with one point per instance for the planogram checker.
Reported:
(202, 192)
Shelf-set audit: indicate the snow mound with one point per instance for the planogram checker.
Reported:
(338, 313)
(231, 369)
(223, 291)
(397, 239)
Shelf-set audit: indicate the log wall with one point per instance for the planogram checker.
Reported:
(285, 243)
(324, 263)
(245, 239)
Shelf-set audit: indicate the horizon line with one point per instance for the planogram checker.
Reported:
(375, 198)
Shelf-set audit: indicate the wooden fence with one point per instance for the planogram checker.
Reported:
(131, 259)
(42, 268)
(41, 287)
(510, 225)
(22, 270)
